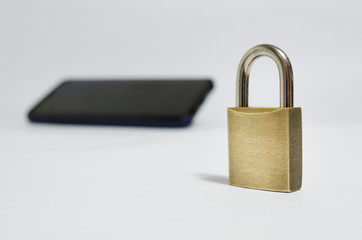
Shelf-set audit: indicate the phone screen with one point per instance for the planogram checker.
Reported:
(123, 102)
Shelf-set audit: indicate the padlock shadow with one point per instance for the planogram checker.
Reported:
(213, 178)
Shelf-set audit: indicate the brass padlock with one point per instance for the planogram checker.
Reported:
(265, 144)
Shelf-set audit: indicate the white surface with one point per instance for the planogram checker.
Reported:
(73, 182)
(65, 182)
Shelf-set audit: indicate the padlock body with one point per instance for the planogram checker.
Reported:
(265, 148)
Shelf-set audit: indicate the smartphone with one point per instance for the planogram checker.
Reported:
(161, 103)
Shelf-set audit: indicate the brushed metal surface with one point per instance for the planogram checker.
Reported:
(265, 148)
(265, 144)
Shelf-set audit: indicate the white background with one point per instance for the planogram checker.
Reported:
(76, 182)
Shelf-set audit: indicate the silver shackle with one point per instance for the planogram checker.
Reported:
(285, 74)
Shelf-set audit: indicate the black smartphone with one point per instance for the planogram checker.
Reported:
(163, 103)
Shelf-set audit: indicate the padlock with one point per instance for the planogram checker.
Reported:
(265, 144)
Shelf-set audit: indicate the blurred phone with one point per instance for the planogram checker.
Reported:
(163, 103)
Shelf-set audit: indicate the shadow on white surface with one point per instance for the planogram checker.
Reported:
(213, 178)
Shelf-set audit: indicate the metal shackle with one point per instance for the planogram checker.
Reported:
(285, 74)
